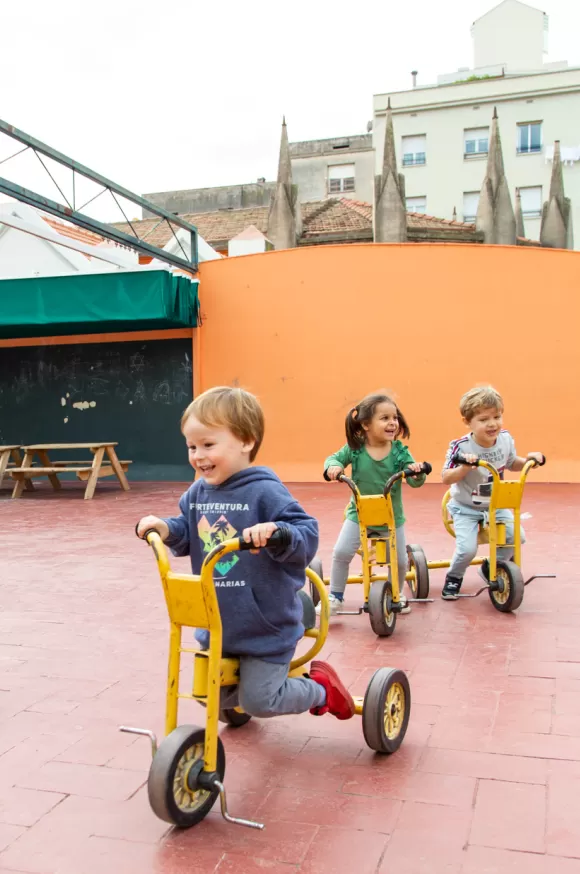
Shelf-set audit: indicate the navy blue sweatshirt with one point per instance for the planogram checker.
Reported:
(258, 594)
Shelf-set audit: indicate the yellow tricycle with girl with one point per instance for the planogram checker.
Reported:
(374, 521)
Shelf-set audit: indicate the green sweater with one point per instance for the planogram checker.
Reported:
(370, 476)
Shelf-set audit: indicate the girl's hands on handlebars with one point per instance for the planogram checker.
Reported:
(149, 522)
(334, 471)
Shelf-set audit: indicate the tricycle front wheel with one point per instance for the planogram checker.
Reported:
(386, 710)
(173, 793)
(509, 593)
(382, 617)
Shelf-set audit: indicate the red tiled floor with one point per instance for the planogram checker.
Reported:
(486, 782)
(510, 816)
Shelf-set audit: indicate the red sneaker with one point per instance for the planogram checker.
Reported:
(338, 700)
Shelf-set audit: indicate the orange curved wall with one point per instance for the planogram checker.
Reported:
(312, 330)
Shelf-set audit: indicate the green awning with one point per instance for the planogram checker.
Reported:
(97, 303)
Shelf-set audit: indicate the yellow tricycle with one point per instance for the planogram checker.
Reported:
(378, 551)
(188, 767)
(506, 582)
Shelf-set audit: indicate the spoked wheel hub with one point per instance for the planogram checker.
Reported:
(394, 710)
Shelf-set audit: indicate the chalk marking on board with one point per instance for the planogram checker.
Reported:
(84, 405)
(63, 402)
(65, 419)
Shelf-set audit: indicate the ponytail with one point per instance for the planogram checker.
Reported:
(355, 435)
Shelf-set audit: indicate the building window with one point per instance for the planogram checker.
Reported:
(475, 141)
(529, 137)
(340, 178)
(417, 204)
(470, 203)
(414, 150)
(531, 201)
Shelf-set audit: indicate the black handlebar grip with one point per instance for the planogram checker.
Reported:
(327, 478)
(146, 533)
(459, 458)
(425, 469)
(280, 539)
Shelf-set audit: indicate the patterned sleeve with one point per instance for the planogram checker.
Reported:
(449, 463)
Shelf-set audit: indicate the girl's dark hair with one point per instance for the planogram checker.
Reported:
(362, 415)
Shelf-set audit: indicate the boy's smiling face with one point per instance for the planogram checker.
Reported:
(214, 452)
(485, 425)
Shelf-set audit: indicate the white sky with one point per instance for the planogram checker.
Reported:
(186, 94)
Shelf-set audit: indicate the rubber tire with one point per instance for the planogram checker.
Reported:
(316, 566)
(373, 721)
(234, 718)
(381, 592)
(516, 588)
(162, 773)
(308, 609)
(418, 558)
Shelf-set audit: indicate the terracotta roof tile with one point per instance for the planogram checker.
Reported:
(73, 232)
(334, 216)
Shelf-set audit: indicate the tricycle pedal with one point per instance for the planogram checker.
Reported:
(143, 731)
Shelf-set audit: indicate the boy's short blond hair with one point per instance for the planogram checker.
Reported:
(480, 398)
(232, 408)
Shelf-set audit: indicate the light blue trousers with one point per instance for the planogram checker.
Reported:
(466, 523)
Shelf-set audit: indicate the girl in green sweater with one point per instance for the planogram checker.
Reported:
(375, 453)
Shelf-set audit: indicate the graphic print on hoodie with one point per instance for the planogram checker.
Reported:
(257, 594)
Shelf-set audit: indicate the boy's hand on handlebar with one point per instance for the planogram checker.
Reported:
(536, 456)
(334, 471)
(259, 534)
(470, 458)
(149, 522)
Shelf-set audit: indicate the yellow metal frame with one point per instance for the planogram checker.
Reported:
(192, 603)
(505, 495)
(376, 511)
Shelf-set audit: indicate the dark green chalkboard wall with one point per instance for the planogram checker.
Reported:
(131, 392)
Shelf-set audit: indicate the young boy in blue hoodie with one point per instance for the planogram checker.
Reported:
(260, 608)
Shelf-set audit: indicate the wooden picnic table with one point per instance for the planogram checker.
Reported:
(85, 469)
(10, 457)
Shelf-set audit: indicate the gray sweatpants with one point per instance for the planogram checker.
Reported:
(265, 690)
(345, 550)
(466, 524)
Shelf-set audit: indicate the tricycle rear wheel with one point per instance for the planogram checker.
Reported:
(386, 710)
(316, 566)
(418, 565)
(171, 786)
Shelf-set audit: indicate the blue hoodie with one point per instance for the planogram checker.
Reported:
(258, 594)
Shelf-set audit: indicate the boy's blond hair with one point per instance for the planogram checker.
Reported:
(232, 408)
(480, 398)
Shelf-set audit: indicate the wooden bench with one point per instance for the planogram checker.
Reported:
(86, 470)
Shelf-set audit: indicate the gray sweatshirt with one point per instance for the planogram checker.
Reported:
(502, 455)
